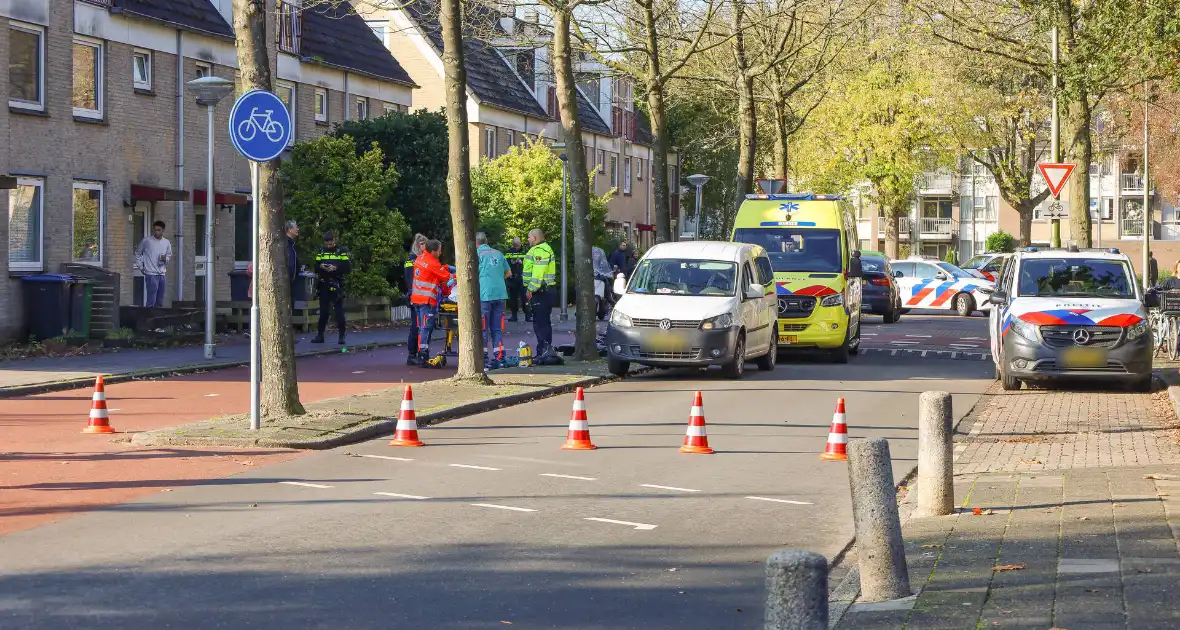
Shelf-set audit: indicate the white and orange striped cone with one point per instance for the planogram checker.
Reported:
(406, 433)
(99, 420)
(837, 447)
(578, 436)
(695, 439)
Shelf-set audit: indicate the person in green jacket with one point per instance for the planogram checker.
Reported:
(540, 273)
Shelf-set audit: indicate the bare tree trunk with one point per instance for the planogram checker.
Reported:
(1081, 150)
(279, 394)
(659, 127)
(1025, 210)
(892, 217)
(747, 117)
(459, 191)
(571, 126)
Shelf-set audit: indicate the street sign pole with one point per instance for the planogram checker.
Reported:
(255, 338)
(260, 129)
(1055, 140)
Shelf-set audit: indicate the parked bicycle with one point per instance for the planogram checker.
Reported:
(1165, 325)
(250, 127)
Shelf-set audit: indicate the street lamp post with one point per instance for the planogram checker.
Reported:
(209, 91)
(699, 182)
(560, 146)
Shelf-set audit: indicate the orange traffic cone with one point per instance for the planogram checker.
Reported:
(99, 420)
(578, 436)
(406, 433)
(695, 439)
(837, 447)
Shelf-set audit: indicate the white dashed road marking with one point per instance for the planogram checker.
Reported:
(503, 507)
(211, 395)
(919, 336)
(963, 345)
(474, 467)
(304, 484)
(359, 372)
(400, 496)
(643, 526)
(648, 485)
(904, 342)
(974, 338)
(569, 477)
(780, 500)
(396, 459)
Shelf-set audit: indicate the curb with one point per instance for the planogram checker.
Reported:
(80, 383)
(386, 425)
(844, 595)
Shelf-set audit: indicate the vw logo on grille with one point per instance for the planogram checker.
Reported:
(1081, 336)
(665, 324)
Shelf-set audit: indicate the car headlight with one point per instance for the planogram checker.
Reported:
(1137, 330)
(1024, 329)
(833, 300)
(619, 320)
(715, 323)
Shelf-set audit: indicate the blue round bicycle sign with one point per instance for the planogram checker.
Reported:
(260, 126)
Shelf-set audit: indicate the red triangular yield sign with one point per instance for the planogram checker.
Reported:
(1055, 175)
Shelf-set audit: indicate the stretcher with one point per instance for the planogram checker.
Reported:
(448, 322)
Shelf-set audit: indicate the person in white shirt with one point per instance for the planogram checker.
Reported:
(152, 258)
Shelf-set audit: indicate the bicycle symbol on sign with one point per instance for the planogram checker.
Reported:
(260, 122)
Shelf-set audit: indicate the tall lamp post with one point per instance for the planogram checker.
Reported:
(699, 182)
(560, 146)
(209, 91)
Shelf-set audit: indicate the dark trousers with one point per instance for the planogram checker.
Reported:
(542, 305)
(412, 341)
(516, 301)
(331, 298)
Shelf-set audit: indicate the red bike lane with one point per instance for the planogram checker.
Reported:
(50, 470)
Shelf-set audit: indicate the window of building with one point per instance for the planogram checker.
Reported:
(378, 27)
(321, 105)
(489, 142)
(26, 66)
(389, 108)
(88, 78)
(614, 171)
(141, 70)
(286, 94)
(362, 108)
(626, 175)
(510, 137)
(639, 169)
(88, 223)
(525, 62)
(290, 25)
(601, 161)
(1105, 209)
(25, 218)
(204, 70)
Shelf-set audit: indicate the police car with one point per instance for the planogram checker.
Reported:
(1070, 313)
(986, 266)
(926, 283)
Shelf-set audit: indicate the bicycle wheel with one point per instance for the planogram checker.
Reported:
(247, 130)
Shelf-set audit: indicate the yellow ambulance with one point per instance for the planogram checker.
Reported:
(811, 241)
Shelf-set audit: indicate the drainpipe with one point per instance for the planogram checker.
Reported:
(180, 185)
(347, 99)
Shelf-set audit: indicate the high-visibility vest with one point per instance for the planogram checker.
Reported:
(540, 267)
(429, 275)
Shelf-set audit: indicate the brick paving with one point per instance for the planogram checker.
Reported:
(1079, 498)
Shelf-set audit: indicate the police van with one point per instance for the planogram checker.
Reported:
(1070, 313)
(811, 243)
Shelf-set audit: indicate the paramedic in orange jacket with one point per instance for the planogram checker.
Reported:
(430, 280)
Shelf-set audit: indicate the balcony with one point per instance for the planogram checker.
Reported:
(937, 229)
(1132, 227)
(941, 183)
(290, 25)
(903, 228)
(1132, 183)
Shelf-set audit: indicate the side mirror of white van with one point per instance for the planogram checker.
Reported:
(620, 285)
(755, 291)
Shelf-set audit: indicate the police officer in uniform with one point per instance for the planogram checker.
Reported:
(515, 256)
(540, 273)
(332, 264)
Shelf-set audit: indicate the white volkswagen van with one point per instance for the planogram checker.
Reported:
(696, 304)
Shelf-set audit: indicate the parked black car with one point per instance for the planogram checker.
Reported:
(880, 295)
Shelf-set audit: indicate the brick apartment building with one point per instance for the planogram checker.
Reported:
(102, 138)
(512, 95)
(961, 209)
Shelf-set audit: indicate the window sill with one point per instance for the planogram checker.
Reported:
(23, 111)
(90, 121)
(20, 273)
(144, 91)
(321, 123)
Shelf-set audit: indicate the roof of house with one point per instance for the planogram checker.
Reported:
(643, 133)
(488, 75)
(194, 15)
(592, 121)
(335, 35)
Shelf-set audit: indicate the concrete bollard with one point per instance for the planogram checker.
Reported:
(796, 591)
(879, 548)
(936, 485)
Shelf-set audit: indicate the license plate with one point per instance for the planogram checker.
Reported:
(788, 338)
(1083, 357)
(665, 343)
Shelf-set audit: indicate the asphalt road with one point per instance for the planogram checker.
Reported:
(492, 522)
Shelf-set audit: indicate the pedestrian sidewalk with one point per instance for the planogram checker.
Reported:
(1069, 518)
(19, 377)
